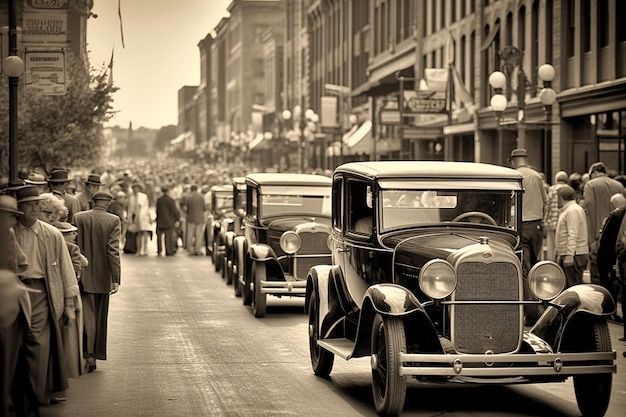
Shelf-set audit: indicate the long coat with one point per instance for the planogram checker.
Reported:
(597, 195)
(195, 208)
(98, 238)
(167, 214)
(139, 211)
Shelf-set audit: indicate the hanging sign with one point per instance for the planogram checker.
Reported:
(44, 72)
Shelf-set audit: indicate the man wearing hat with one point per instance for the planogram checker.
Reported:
(58, 181)
(14, 301)
(38, 180)
(98, 239)
(51, 273)
(92, 185)
(596, 200)
(167, 218)
(534, 202)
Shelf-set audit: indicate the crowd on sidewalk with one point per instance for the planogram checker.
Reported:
(64, 235)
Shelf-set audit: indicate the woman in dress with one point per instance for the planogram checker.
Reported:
(139, 217)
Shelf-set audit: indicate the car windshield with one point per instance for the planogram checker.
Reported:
(223, 201)
(240, 195)
(278, 204)
(403, 208)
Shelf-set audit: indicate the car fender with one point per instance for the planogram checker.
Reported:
(394, 300)
(228, 242)
(262, 253)
(589, 299)
(239, 249)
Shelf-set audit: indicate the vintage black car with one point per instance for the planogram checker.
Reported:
(233, 226)
(287, 225)
(221, 207)
(426, 279)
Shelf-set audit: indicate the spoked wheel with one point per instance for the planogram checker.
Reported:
(259, 303)
(388, 386)
(593, 391)
(321, 360)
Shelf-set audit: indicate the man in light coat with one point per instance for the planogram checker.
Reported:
(51, 274)
(572, 249)
(98, 238)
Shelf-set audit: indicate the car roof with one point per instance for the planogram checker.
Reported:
(429, 169)
(223, 187)
(239, 180)
(286, 178)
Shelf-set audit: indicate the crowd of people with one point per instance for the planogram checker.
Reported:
(64, 234)
(577, 222)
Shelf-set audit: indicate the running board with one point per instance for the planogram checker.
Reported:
(340, 347)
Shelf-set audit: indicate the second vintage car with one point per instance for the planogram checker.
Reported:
(427, 280)
(221, 207)
(286, 229)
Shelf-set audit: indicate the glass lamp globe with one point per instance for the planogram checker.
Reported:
(286, 114)
(497, 79)
(547, 96)
(498, 102)
(546, 72)
(13, 66)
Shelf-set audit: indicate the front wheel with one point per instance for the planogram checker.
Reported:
(259, 304)
(593, 391)
(388, 386)
(321, 360)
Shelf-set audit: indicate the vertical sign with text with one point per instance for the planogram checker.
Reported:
(45, 72)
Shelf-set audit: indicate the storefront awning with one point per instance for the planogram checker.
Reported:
(361, 140)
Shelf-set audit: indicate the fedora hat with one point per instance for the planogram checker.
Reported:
(136, 184)
(35, 178)
(93, 179)
(518, 153)
(27, 193)
(8, 204)
(102, 195)
(59, 176)
(65, 227)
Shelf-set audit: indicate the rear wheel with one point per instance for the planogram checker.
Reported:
(235, 276)
(593, 391)
(246, 293)
(321, 360)
(260, 299)
(229, 271)
(388, 386)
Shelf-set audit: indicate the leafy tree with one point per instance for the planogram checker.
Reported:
(62, 130)
(164, 136)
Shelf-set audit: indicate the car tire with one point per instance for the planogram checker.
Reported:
(321, 360)
(214, 257)
(246, 293)
(388, 386)
(223, 267)
(235, 274)
(593, 391)
(259, 303)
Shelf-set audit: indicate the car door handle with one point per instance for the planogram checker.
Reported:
(341, 249)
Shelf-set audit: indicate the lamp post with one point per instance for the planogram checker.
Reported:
(499, 101)
(301, 126)
(13, 68)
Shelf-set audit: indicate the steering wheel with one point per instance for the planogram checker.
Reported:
(475, 217)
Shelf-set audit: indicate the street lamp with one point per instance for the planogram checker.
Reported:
(13, 68)
(498, 80)
(301, 126)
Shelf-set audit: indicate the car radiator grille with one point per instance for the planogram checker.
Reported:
(312, 244)
(480, 328)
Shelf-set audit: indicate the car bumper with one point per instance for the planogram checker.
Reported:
(507, 365)
(283, 287)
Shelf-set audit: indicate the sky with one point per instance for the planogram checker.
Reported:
(159, 54)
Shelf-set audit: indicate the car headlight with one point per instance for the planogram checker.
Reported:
(546, 280)
(290, 242)
(437, 279)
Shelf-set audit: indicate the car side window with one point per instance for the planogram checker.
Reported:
(337, 206)
(359, 207)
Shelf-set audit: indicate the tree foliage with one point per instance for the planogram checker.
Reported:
(164, 137)
(64, 130)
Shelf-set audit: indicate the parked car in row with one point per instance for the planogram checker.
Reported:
(286, 229)
(221, 207)
(233, 227)
(426, 279)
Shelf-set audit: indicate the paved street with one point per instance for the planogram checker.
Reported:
(181, 344)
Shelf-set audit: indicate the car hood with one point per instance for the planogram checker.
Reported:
(291, 223)
(418, 248)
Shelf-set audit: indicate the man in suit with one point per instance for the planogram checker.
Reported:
(92, 185)
(167, 217)
(194, 208)
(58, 181)
(98, 238)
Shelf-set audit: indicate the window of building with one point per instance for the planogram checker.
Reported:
(521, 29)
(571, 31)
(586, 25)
(508, 32)
(534, 39)
(548, 31)
(603, 23)
(620, 9)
